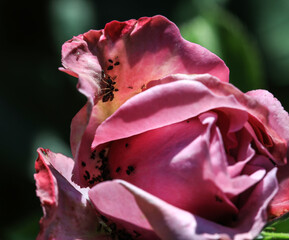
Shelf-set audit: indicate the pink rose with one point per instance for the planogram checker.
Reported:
(165, 147)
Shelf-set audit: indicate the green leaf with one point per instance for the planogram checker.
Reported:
(276, 229)
(272, 235)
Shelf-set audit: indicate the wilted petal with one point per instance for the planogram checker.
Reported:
(79, 62)
(67, 212)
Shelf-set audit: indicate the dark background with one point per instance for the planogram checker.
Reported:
(37, 101)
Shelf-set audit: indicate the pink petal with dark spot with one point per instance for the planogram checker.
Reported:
(172, 223)
(178, 99)
(119, 206)
(136, 52)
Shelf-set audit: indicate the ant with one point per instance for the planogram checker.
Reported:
(108, 87)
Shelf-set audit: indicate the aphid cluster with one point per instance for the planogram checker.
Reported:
(107, 87)
(107, 83)
(129, 170)
(110, 67)
(114, 232)
(101, 165)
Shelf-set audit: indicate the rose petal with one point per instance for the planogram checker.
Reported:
(183, 164)
(280, 203)
(79, 62)
(175, 165)
(253, 215)
(78, 126)
(181, 99)
(278, 118)
(118, 205)
(217, 163)
(245, 153)
(83, 127)
(173, 223)
(135, 52)
(67, 212)
(164, 105)
(261, 116)
(170, 222)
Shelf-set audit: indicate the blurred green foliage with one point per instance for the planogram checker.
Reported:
(37, 101)
(70, 18)
(223, 34)
(276, 229)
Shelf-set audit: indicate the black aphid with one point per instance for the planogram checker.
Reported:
(130, 168)
(86, 175)
(92, 156)
(101, 154)
(110, 67)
